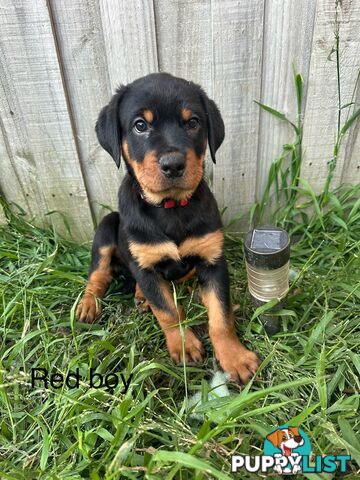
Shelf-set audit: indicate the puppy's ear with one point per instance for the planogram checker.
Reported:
(108, 128)
(274, 438)
(215, 125)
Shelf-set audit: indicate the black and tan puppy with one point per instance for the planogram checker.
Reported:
(168, 225)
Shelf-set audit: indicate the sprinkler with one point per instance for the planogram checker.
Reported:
(267, 255)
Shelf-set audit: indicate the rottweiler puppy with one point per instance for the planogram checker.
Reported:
(168, 226)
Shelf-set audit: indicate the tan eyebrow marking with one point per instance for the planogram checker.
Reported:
(186, 114)
(148, 115)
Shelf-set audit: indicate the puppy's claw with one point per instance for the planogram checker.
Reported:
(141, 304)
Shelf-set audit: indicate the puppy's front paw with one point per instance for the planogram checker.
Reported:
(88, 309)
(193, 348)
(236, 360)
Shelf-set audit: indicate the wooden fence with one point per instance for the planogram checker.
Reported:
(62, 59)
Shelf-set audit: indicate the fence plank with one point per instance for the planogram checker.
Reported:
(80, 41)
(288, 31)
(351, 170)
(130, 40)
(320, 124)
(183, 32)
(237, 42)
(35, 118)
(8, 173)
(235, 52)
(2, 216)
(10, 187)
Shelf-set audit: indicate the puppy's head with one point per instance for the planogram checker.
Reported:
(289, 436)
(161, 126)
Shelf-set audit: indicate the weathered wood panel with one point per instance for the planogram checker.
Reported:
(62, 60)
(288, 32)
(320, 124)
(6, 171)
(130, 41)
(237, 52)
(184, 45)
(35, 118)
(2, 216)
(10, 187)
(351, 168)
(81, 46)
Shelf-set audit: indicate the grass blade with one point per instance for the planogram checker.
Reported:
(189, 461)
(276, 114)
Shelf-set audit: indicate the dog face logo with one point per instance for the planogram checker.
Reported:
(161, 126)
(287, 439)
(291, 443)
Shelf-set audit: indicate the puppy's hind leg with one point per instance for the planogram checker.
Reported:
(101, 273)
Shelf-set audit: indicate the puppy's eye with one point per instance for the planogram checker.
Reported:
(140, 126)
(192, 123)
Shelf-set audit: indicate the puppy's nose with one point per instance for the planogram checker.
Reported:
(172, 165)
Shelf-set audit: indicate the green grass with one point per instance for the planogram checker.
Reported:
(309, 375)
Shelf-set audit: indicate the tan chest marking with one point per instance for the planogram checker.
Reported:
(208, 246)
(148, 254)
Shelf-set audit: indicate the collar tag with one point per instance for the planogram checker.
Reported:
(169, 203)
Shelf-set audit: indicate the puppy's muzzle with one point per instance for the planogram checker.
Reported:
(172, 165)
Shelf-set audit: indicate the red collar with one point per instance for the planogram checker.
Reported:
(170, 203)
